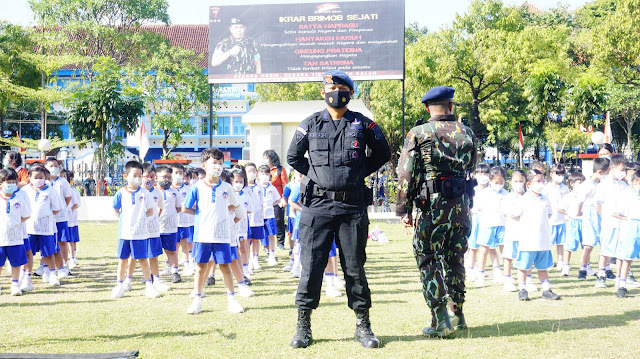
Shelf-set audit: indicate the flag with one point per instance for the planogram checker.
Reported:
(520, 137)
(143, 140)
(19, 141)
(608, 136)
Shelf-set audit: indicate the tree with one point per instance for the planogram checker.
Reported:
(103, 106)
(625, 111)
(305, 91)
(175, 87)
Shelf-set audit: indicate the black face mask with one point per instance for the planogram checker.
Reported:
(164, 183)
(337, 99)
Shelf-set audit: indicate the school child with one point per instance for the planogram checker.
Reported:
(491, 221)
(286, 192)
(210, 201)
(629, 244)
(63, 189)
(239, 183)
(45, 204)
(555, 191)
(296, 208)
(332, 282)
(256, 218)
(133, 205)
(271, 198)
(168, 218)
(292, 197)
(512, 227)
(25, 273)
(11, 232)
(591, 218)
(534, 247)
(185, 220)
(481, 176)
(74, 233)
(571, 207)
(609, 196)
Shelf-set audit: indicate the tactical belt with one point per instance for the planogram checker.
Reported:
(340, 196)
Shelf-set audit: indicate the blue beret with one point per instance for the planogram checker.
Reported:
(337, 77)
(439, 93)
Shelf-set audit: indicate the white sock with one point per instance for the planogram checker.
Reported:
(522, 285)
(622, 283)
(148, 283)
(546, 285)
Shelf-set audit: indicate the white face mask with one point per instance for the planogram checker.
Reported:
(537, 187)
(134, 182)
(620, 175)
(557, 178)
(264, 179)
(177, 179)
(54, 171)
(496, 187)
(213, 169)
(192, 182)
(251, 176)
(38, 182)
(9, 188)
(238, 187)
(482, 179)
(518, 186)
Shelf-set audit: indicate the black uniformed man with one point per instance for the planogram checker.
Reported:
(237, 54)
(335, 201)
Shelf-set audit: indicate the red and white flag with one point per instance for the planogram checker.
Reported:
(143, 138)
(520, 137)
(608, 136)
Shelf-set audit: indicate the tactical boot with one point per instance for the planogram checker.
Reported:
(302, 338)
(364, 334)
(443, 327)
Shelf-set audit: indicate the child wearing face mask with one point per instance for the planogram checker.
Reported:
(45, 204)
(256, 218)
(72, 215)
(555, 191)
(534, 247)
(168, 218)
(571, 207)
(609, 195)
(239, 183)
(185, 220)
(271, 198)
(62, 187)
(629, 245)
(491, 221)
(481, 176)
(17, 211)
(512, 227)
(133, 205)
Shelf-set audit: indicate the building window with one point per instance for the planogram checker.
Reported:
(224, 125)
(238, 126)
(204, 126)
(251, 87)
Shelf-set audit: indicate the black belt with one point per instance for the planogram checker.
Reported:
(340, 196)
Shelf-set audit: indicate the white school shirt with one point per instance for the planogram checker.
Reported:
(184, 219)
(630, 207)
(13, 210)
(535, 230)
(241, 213)
(153, 222)
(256, 218)
(72, 214)
(555, 193)
(476, 192)
(571, 202)
(587, 189)
(246, 205)
(269, 196)
(212, 211)
(511, 225)
(169, 217)
(610, 193)
(63, 188)
(25, 198)
(42, 202)
(489, 207)
(133, 208)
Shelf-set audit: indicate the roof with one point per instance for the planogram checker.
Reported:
(293, 111)
(190, 37)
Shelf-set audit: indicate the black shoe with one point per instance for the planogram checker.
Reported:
(548, 294)
(175, 278)
(631, 278)
(303, 338)
(442, 327)
(364, 334)
(622, 292)
(609, 274)
(601, 282)
(247, 281)
(523, 295)
(582, 275)
(613, 261)
(210, 281)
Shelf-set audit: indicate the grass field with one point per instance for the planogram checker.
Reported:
(80, 317)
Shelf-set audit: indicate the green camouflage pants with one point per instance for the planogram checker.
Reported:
(439, 244)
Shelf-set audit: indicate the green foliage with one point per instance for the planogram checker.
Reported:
(588, 97)
(28, 143)
(305, 91)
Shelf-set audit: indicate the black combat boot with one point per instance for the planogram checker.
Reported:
(443, 327)
(364, 334)
(302, 338)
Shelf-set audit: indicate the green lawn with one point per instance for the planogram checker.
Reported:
(80, 317)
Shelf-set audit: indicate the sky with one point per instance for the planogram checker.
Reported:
(430, 13)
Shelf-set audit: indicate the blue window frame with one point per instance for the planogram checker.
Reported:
(238, 126)
(224, 125)
(204, 126)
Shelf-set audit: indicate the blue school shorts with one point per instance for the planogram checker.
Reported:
(154, 247)
(256, 233)
(234, 253)
(510, 250)
(27, 245)
(629, 243)
(17, 255)
(45, 244)
(291, 223)
(270, 227)
(220, 253)
(591, 227)
(334, 250)
(609, 241)
(558, 234)
(74, 235)
(473, 237)
(169, 241)
(183, 233)
(574, 235)
(63, 232)
(542, 260)
(491, 237)
(135, 248)
(192, 230)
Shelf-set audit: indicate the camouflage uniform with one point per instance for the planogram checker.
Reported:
(245, 61)
(438, 149)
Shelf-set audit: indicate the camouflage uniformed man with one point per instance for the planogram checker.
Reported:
(436, 161)
(237, 54)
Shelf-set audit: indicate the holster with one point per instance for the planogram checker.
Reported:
(306, 191)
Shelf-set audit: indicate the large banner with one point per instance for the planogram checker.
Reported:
(299, 42)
